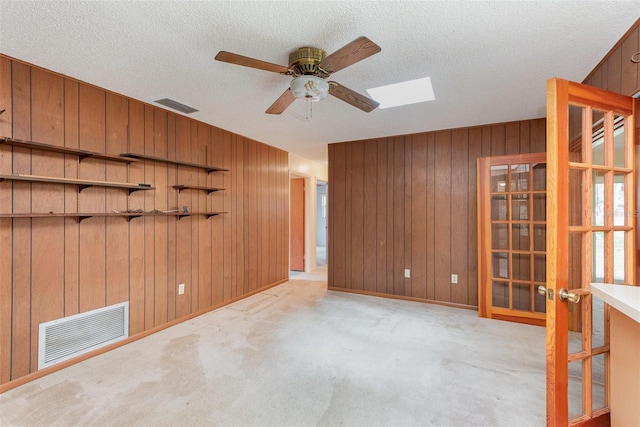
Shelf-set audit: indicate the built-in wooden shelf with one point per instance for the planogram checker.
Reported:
(81, 183)
(197, 187)
(82, 154)
(209, 169)
(127, 215)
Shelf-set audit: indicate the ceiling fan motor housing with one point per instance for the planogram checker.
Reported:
(304, 62)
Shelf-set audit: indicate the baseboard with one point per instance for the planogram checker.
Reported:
(404, 298)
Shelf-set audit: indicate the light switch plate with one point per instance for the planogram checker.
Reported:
(181, 289)
(407, 273)
(454, 278)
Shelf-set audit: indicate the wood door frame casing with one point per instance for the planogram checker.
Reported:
(484, 240)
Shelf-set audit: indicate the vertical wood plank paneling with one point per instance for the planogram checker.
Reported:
(460, 215)
(596, 78)
(263, 191)
(498, 145)
(47, 234)
(21, 296)
(250, 214)
(430, 216)
(172, 224)
(6, 235)
(258, 215)
(370, 193)
(538, 129)
(136, 144)
(232, 185)
(284, 218)
(357, 208)
(604, 75)
(408, 211)
(193, 221)
(382, 241)
(614, 70)
(149, 221)
(391, 187)
(228, 249)
(330, 176)
(512, 138)
(418, 225)
(398, 216)
(239, 191)
(525, 146)
(71, 227)
(475, 151)
(117, 231)
(205, 282)
(348, 203)
(486, 141)
(160, 292)
(281, 221)
(629, 84)
(273, 215)
(443, 219)
(215, 202)
(183, 226)
(6, 118)
(93, 230)
(338, 217)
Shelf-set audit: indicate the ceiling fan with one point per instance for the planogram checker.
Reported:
(309, 67)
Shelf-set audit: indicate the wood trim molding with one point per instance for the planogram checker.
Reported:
(403, 298)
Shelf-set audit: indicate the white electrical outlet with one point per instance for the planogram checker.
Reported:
(181, 289)
(454, 278)
(407, 273)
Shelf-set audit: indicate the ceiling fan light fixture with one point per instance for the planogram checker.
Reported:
(309, 88)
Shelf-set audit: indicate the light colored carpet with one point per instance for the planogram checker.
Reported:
(299, 355)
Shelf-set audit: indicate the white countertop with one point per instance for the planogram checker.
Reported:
(623, 298)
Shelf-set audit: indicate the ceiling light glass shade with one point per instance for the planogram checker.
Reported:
(309, 88)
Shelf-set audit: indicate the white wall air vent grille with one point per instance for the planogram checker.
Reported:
(63, 339)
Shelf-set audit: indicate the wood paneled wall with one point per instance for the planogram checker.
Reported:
(409, 202)
(617, 72)
(55, 267)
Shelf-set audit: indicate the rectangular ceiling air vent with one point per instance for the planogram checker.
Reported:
(175, 105)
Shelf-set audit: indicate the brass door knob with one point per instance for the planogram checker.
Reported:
(566, 295)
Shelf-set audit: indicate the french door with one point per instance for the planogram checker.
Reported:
(590, 238)
(512, 237)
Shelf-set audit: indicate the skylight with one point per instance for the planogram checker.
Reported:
(404, 93)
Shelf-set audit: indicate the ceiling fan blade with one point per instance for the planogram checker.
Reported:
(245, 61)
(281, 103)
(351, 97)
(353, 52)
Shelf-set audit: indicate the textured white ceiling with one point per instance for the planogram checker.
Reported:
(488, 60)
